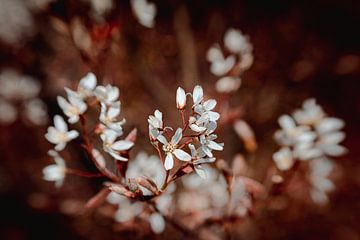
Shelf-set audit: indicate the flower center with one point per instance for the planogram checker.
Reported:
(169, 147)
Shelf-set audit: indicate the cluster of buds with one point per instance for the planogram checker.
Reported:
(19, 96)
(230, 64)
(202, 123)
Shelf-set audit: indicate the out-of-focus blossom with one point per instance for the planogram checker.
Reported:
(57, 171)
(36, 111)
(16, 21)
(8, 112)
(240, 199)
(99, 8)
(170, 149)
(245, 132)
(228, 84)
(87, 85)
(19, 91)
(283, 159)
(14, 86)
(320, 169)
(148, 166)
(231, 67)
(114, 147)
(144, 11)
(59, 134)
(157, 223)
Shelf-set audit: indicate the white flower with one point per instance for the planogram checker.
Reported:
(171, 149)
(72, 108)
(208, 144)
(57, 171)
(127, 210)
(310, 114)
(180, 98)
(108, 116)
(144, 11)
(87, 85)
(236, 42)
(107, 94)
(59, 134)
(17, 87)
(157, 223)
(156, 124)
(205, 111)
(220, 64)
(199, 158)
(115, 147)
(228, 84)
(283, 159)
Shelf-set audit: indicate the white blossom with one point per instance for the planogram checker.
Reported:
(283, 159)
(144, 11)
(156, 124)
(36, 111)
(86, 86)
(55, 172)
(72, 108)
(107, 94)
(114, 147)
(170, 149)
(109, 115)
(228, 84)
(59, 134)
(236, 42)
(198, 158)
(219, 64)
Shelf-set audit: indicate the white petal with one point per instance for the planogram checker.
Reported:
(117, 156)
(334, 150)
(209, 104)
(330, 124)
(169, 161)
(157, 223)
(122, 145)
(286, 122)
(214, 54)
(60, 146)
(196, 128)
(60, 123)
(88, 81)
(197, 94)
(221, 67)
(215, 146)
(182, 155)
(162, 139)
(177, 136)
(213, 116)
(72, 134)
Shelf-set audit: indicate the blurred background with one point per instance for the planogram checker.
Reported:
(301, 49)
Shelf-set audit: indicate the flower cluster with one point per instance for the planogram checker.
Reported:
(308, 134)
(230, 66)
(202, 123)
(19, 95)
(75, 105)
